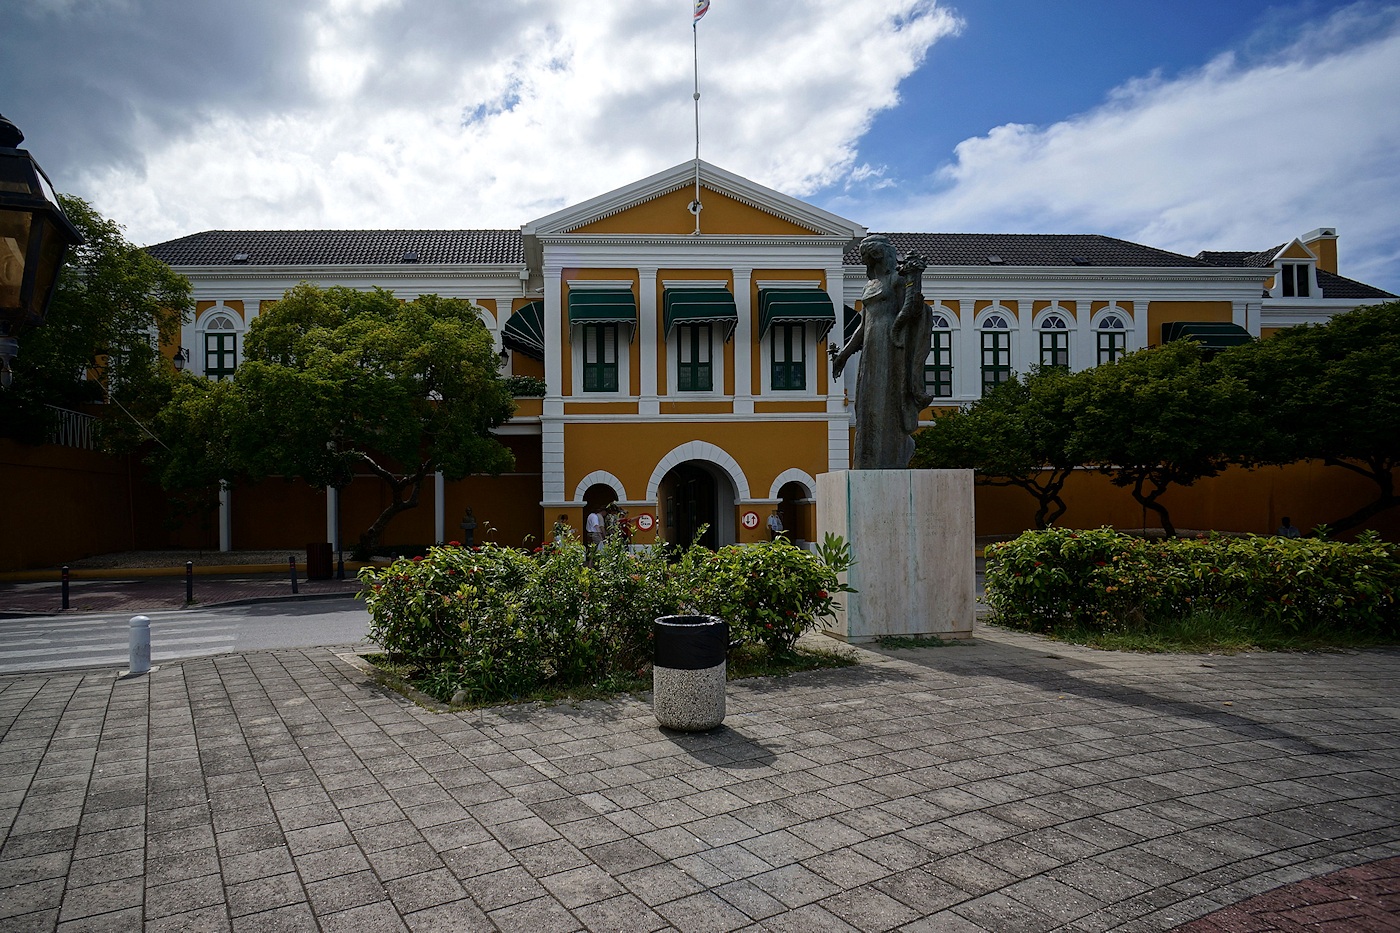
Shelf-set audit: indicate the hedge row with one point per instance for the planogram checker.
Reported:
(498, 623)
(1101, 579)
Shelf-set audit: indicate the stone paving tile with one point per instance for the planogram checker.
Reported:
(931, 790)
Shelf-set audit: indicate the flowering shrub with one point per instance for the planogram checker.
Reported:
(498, 623)
(1101, 579)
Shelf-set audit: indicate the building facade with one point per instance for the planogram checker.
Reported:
(681, 325)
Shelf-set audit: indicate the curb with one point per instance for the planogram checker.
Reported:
(242, 601)
(128, 573)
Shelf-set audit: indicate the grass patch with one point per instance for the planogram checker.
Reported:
(744, 662)
(898, 642)
(1215, 632)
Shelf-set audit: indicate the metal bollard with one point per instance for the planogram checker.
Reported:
(292, 569)
(189, 582)
(65, 586)
(139, 646)
(340, 566)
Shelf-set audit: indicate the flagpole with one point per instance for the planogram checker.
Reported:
(695, 37)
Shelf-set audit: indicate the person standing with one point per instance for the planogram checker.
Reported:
(1288, 529)
(593, 533)
(775, 525)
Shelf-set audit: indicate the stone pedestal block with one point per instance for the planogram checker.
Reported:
(911, 534)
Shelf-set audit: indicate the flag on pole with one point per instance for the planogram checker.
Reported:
(701, 8)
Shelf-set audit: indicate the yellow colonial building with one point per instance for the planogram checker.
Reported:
(681, 325)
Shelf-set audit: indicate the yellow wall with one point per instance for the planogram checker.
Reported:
(631, 452)
(670, 214)
(1164, 312)
(1326, 252)
(1237, 500)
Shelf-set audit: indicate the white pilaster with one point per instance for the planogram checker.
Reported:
(648, 341)
(743, 342)
(1085, 353)
(554, 347)
(836, 288)
(439, 508)
(332, 516)
(225, 517)
(1025, 343)
(1140, 334)
(967, 358)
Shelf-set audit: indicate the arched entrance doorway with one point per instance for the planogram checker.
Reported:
(796, 507)
(693, 495)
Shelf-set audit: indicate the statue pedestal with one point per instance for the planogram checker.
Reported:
(911, 534)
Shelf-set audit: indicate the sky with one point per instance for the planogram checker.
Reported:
(1182, 124)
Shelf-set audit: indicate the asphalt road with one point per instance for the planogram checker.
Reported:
(49, 643)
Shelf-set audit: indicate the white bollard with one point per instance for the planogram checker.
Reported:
(140, 646)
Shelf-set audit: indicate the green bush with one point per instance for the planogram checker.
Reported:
(499, 623)
(1102, 580)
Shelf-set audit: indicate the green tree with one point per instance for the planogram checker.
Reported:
(337, 380)
(1331, 392)
(113, 307)
(1016, 435)
(1160, 417)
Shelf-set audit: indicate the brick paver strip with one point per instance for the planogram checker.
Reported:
(1366, 897)
(1008, 784)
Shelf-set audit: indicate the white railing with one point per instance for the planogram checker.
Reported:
(72, 429)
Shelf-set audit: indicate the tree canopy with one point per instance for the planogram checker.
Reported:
(335, 381)
(113, 307)
(1331, 392)
(1160, 417)
(1016, 435)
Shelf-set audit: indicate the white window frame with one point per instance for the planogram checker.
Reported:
(219, 312)
(951, 329)
(1129, 331)
(1041, 321)
(1011, 329)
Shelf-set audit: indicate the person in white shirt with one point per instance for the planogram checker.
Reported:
(775, 525)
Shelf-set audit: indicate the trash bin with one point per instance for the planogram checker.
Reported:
(319, 565)
(688, 671)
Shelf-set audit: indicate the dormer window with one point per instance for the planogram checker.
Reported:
(1296, 280)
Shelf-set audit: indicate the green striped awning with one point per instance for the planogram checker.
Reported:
(792, 305)
(602, 306)
(524, 331)
(701, 306)
(1213, 335)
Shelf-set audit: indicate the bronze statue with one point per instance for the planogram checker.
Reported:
(894, 337)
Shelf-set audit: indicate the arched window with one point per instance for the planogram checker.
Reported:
(1112, 333)
(996, 351)
(1054, 342)
(220, 346)
(938, 369)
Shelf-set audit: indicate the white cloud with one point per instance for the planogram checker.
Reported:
(1238, 155)
(410, 123)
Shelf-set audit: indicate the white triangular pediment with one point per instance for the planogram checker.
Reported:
(820, 222)
(1296, 250)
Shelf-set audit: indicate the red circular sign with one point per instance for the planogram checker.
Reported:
(750, 519)
(645, 521)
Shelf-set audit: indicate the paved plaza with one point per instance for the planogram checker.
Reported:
(1009, 784)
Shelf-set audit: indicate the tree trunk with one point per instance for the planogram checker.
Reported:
(1149, 501)
(370, 539)
(1380, 473)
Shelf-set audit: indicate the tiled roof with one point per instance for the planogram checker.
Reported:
(340, 247)
(1332, 285)
(1337, 286)
(1029, 249)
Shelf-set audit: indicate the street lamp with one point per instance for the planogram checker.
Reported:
(180, 360)
(34, 238)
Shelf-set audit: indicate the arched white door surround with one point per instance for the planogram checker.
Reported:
(700, 450)
(792, 476)
(604, 478)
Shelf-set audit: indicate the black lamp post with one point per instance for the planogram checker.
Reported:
(34, 239)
